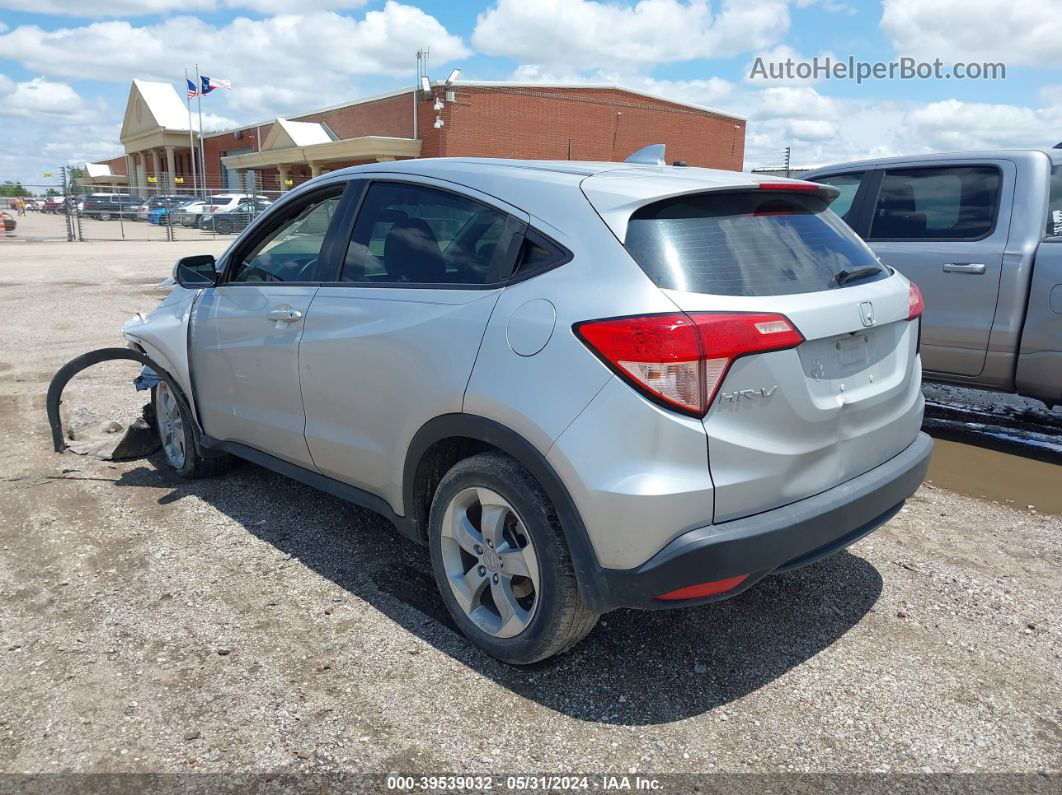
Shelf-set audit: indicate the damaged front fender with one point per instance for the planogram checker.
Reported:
(86, 360)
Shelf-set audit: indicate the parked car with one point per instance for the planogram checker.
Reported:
(107, 206)
(583, 385)
(53, 204)
(981, 234)
(8, 221)
(143, 212)
(192, 213)
(158, 214)
(233, 218)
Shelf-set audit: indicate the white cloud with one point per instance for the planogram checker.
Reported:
(278, 64)
(812, 130)
(707, 92)
(775, 61)
(39, 97)
(293, 6)
(792, 102)
(954, 125)
(1017, 32)
(588, 34)
(127, 8)
(106, 8)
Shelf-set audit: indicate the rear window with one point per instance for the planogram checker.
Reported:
(753, 243)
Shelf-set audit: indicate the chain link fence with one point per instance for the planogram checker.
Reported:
(40, 213)
(58, 211)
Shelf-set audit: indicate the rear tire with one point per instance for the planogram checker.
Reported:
(174, 428)
(103, 216)
(489, 512)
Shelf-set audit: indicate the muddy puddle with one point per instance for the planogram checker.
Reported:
(996, 475)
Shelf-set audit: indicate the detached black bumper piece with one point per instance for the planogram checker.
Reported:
(777, 540)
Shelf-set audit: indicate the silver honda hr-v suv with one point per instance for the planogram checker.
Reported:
(583, 385)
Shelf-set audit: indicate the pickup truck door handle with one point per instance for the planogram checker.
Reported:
(284, 314)
(964, 267)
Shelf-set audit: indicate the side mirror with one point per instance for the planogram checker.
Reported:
(195, 272)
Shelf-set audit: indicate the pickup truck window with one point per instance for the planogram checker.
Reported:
(945, 203)
(1054, 204)
(848, 185)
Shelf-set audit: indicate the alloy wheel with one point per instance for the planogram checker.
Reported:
(490, 562)
(170, 425)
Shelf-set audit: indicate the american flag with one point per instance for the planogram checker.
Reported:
(193, 91)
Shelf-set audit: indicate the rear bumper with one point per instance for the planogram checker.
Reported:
(776, 540)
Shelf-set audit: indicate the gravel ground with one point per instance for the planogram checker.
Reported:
(249, 624)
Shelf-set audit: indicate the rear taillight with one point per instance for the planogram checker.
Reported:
(681, 359)
(915, 304)
(214, 208)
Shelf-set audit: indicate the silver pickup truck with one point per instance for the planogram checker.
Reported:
(981, 234)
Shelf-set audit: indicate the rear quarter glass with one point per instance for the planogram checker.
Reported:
(748, 243)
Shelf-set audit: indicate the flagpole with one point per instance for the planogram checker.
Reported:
(199, 102)
(191, 135)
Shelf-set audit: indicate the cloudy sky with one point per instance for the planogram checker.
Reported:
(65, 66)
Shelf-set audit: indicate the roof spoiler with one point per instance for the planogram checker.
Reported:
(652, 155)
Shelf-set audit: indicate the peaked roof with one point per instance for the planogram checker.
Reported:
(153, 107)
(98, 169)
(284, 134)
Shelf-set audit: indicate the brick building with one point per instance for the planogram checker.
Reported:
(529, 121)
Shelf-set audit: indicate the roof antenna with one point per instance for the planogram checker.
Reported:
(652, 155)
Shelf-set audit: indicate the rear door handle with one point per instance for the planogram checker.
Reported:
(964, 267)
(283, 315)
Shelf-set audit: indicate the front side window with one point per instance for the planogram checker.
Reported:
(289, 252)
(415, 234)
(947, 203)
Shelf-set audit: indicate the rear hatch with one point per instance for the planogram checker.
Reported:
(844, 395)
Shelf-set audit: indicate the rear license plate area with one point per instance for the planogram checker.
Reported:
(853, 351)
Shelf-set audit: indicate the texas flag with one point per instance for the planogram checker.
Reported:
(209, 84)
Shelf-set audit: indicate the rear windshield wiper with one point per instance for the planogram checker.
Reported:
(845, 276)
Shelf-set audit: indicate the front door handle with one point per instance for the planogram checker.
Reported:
(283, 315)
(964, 267)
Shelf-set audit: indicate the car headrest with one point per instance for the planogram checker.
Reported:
(411, 253)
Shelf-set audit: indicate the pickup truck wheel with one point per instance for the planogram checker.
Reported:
(501, 563)
(103, 216)
(175, 435)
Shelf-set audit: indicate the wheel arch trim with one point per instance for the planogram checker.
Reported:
(67, 372)
(592, 586)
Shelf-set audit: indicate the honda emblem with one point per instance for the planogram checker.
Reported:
(866, 313)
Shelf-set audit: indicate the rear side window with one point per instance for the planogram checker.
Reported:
(751, 243)
(1054, 204)
(948, 203)
(415, 234)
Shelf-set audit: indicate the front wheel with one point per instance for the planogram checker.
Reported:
(175, 436)
(501, 562)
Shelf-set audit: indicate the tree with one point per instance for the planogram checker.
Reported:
(13, 189)
(73, 174)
